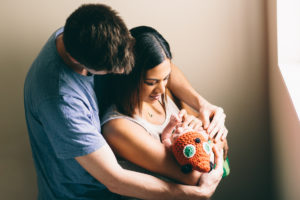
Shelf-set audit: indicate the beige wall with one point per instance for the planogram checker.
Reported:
(285, 123)
(220, 46)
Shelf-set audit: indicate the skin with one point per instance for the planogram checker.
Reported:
(212, 117)
(152, 90)
(103, 166)
(132, 142)
(175, 128)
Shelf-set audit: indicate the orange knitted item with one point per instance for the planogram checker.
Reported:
(192, 151)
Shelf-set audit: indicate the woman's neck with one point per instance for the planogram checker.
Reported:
(153, 112)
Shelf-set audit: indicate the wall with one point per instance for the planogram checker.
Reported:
(285, 123)
(219, 45)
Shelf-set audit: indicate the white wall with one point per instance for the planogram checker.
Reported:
(288, 25)
(220, 46)
(285, 123)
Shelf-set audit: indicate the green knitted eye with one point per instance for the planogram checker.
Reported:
(206, 147)
(189, 151)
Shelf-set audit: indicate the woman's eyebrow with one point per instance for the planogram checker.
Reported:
(154, 79)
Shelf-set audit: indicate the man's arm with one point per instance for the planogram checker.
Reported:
(213, 117)
(133, 143)
(103, 165)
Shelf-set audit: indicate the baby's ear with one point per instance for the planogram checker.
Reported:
(187, 168)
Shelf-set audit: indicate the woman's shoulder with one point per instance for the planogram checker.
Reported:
(114, 118)
(122, 126)
(111, 114)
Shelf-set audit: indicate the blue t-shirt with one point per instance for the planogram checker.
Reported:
(62, 119)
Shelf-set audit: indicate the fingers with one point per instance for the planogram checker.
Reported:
(226, 148)
(221, 135)
(224, 135)
(204, 116)
(198, 128)
(192, 122)
(218, 153)
(218, 115)
(195, 123)
(216, 124)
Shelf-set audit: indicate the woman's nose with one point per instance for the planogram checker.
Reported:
(161, 87)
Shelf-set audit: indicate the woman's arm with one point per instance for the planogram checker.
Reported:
(213, 117)
(103, 166)
(132, 142)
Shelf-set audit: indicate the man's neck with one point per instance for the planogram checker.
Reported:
(78, 68)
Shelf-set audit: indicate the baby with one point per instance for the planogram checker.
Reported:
(191, 147)
(174, 129)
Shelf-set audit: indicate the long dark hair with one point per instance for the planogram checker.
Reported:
(150, 50)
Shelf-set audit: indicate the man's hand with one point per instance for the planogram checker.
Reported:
(212, 117)
(210, 181)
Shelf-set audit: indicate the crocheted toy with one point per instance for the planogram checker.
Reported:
(191, 149)
(193, 152)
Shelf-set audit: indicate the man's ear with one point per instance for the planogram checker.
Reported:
(73, 59)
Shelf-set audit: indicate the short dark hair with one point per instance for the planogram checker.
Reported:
(150, 50)
(98, 38)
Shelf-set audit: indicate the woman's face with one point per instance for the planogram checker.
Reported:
(155, 82)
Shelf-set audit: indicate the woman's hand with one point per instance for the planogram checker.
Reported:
(213, 119)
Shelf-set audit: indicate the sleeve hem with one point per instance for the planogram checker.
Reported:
(82, 152)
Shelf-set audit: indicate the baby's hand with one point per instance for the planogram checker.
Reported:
(190, 121)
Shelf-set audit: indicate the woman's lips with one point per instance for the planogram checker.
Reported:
(155, 97)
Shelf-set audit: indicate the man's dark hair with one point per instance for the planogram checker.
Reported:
(98, 38)
(150, 50)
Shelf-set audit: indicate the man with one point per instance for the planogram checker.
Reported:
(72, 159)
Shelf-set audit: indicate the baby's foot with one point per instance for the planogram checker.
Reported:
(168, 130)
(174, 121)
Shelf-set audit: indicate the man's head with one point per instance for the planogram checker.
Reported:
(97, 38)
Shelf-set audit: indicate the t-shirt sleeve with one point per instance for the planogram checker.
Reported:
(69, 126)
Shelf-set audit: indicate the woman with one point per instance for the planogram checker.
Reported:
(142, 110)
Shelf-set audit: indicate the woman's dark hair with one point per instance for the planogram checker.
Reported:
(98, 38)
(150, 50)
